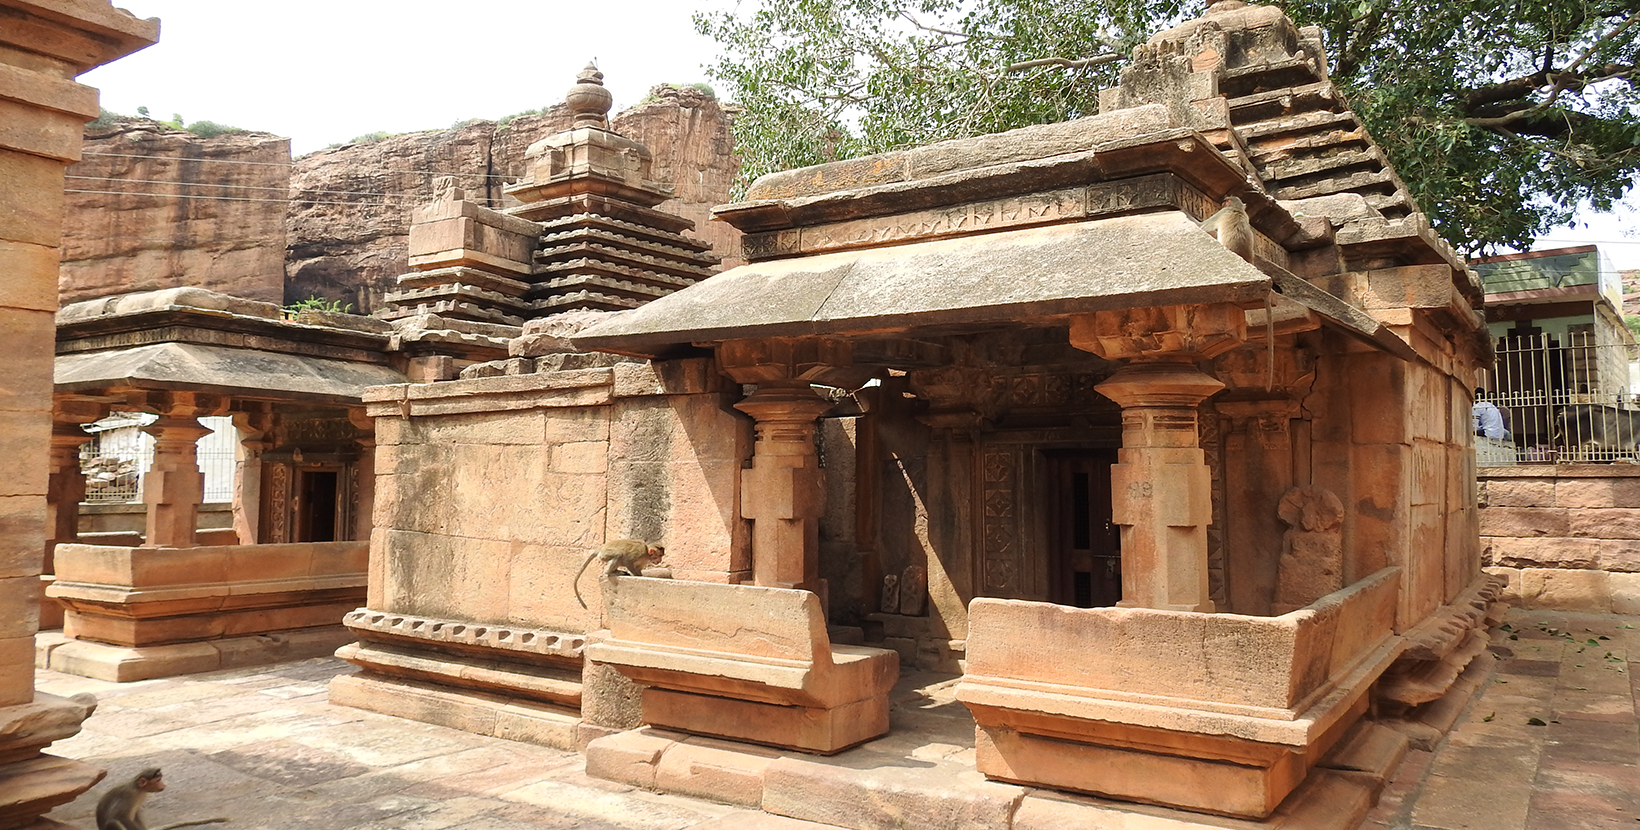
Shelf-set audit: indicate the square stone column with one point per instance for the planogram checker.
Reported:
(174, 487)
(784, 493)
(1161, 489)
(253, 426)
(44, 45)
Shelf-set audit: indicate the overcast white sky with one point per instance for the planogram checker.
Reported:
(324, 72)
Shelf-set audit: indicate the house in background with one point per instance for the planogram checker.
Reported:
(1563, 353)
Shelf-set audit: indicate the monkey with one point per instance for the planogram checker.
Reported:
(121, 807)
(1231, 227)
(628, 555)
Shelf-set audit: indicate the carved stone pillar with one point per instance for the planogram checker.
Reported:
(1161, 487)
(783, 493)
(247, 475)
(65, 488)
(174, 486)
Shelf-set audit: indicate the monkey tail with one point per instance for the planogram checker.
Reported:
(194, 823)
(576, 584)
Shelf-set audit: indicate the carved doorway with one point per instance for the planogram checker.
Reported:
(318, 504)
(1085, 546)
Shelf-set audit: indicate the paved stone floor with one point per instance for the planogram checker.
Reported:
(1552, 742)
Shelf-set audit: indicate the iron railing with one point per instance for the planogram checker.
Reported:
(1565, 399)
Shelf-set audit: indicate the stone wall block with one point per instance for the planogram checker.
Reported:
(565, 426)
(23, 260)
(1516, 552)
(1620, 556)
(581, 457)
(1597, 492)
(1527, 522)
(16, 682)
(20, 595)
(29, 337)
(1605, 523)
(28, 218)
(1625, 592)
(1524, 492)
(1565, 590)
(21, 518)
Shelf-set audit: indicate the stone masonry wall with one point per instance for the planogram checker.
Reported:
(1568, 537)
(491, 492)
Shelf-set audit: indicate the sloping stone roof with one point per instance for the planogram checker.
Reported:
(244, 372)
(991, 279)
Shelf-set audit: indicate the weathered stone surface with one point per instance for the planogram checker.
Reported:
(1545, 553)
(886, 797)
(167, 228)
(1526, 522)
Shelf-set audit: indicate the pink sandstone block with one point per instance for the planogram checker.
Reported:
(718, 771)
(629, 757)
(1525, 521)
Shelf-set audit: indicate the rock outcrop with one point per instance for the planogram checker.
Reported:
(150, 206)
(354, 252)
(344, 234)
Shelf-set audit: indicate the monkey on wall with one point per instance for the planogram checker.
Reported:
(630, 555)
(1232, 228)
(121, 807)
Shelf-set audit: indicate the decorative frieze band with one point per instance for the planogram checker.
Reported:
(465, 633)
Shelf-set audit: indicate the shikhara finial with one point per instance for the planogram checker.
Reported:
(588, 99)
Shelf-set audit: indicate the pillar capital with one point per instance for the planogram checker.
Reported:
(1174, 332)
(824, 360)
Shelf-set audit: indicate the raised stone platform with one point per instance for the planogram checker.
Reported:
(922, 775)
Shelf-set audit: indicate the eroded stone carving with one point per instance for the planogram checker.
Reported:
(1312, 549)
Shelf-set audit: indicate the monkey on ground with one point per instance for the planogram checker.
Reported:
(121, 807)
(1232, 228)
(628, 555)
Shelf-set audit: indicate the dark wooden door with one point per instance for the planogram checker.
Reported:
(1085, 561)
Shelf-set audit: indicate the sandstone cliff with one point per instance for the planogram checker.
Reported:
(166, 207)
(343, 234)
(350, 208)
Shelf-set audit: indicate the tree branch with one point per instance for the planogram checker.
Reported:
(1063, 63)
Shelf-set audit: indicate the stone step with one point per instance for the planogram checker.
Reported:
(863, 792)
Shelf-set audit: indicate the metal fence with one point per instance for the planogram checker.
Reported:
(1564, 399)
(117, 458)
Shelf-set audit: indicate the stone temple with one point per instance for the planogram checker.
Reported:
(1137, 444)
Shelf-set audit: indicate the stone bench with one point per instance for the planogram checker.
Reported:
(1222, 713)
(745, 662)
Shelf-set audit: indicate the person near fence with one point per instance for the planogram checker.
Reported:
(1488, 418)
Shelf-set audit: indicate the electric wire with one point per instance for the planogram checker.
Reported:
(293, 164)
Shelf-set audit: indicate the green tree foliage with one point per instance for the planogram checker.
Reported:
(1501, 117)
